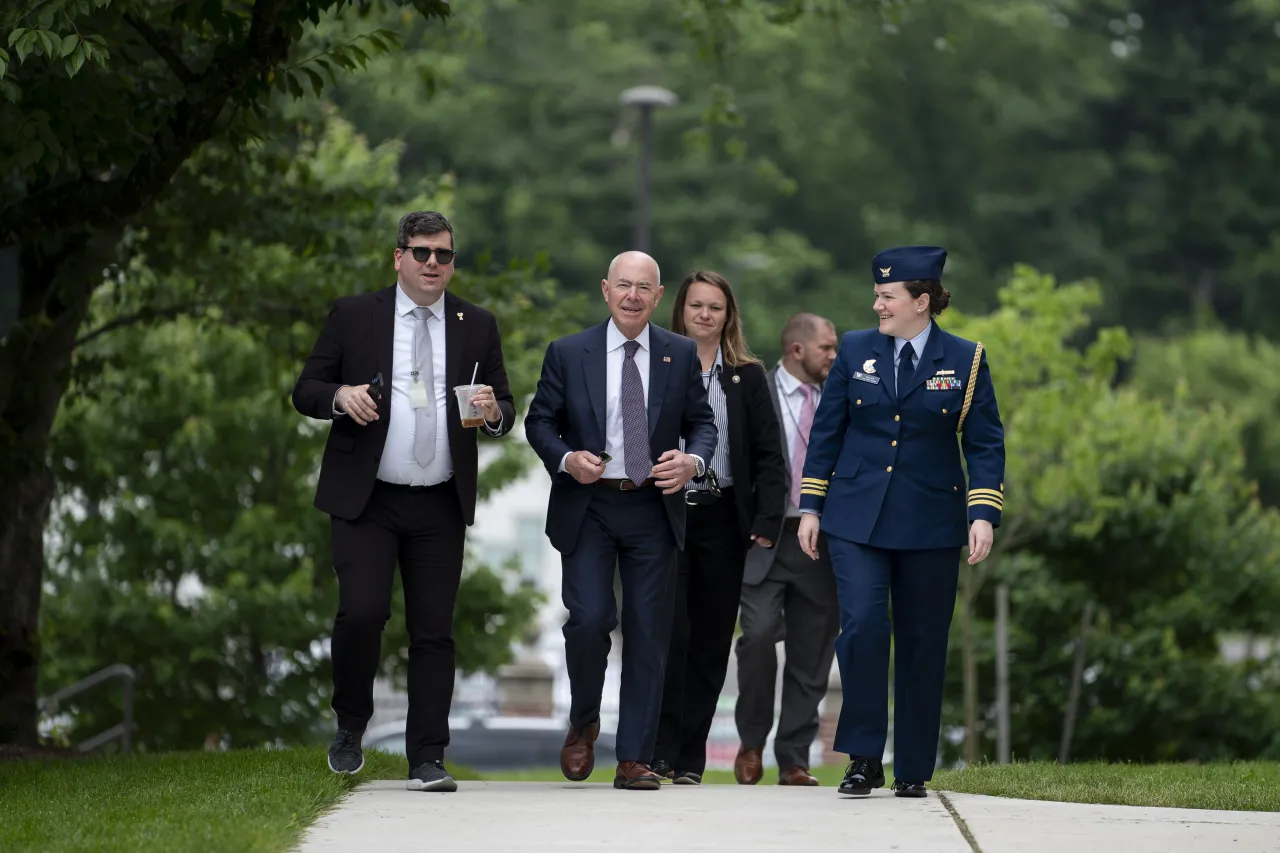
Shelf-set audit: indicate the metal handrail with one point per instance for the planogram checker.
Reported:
(122, 731)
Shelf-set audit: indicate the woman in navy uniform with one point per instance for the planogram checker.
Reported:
(883, 480)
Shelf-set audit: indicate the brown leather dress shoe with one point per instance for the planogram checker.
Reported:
(578, 755)
(797, 775)
(748, 767)
(636, 776)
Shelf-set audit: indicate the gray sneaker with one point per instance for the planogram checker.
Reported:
(345, 755)
(431, 776)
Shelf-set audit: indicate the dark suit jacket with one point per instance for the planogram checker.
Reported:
(755, 459)
(358, 341)
(568, 414)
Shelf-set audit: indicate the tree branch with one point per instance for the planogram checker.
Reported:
(162, 49)
(144, 316)
(192, 121)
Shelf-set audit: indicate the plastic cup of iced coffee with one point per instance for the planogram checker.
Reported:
(472, 416)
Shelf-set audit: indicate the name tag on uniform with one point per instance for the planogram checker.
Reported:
(418, 394)
(943, 383)
(864, 377)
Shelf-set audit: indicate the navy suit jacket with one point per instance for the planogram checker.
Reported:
(883, 465)
(568, 414)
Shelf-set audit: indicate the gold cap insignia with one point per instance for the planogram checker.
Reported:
(884, 272)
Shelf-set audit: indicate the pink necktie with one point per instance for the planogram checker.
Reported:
(801, 443)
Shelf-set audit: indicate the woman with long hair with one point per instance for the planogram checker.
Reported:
(736, 506)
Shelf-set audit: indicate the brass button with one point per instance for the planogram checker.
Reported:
(897, 417)
(890, 468)
(893, 443)
(955, 488)
(859, 401)
(944, 411)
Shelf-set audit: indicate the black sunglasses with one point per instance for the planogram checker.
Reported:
(422, 254)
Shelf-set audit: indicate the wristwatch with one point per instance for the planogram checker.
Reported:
(699, 467)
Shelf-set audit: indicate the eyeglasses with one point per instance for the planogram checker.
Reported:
(422, 254)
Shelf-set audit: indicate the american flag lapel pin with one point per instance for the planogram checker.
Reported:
(666, 358)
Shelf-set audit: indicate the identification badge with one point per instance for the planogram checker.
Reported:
(942, 383)
(862, 377)
(418, 394)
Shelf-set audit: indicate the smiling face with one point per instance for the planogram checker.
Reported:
(705, 312)
(632, 291)
(901, 315)
(424, 281)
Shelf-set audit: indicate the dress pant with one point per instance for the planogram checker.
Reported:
(708, 586)
(629, 530)
(922, 586)
(421, 528)
(795, 603)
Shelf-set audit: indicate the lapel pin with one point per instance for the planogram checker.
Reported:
(736, 378)
(666, 358)
(459, 315)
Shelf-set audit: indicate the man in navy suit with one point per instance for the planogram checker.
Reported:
(611, 407)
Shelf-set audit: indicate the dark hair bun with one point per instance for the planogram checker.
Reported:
(940, 301)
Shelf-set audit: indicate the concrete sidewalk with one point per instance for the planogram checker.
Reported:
(550, 816)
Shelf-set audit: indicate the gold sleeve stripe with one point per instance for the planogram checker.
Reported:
(980, 502)
(817, 493)
(992, 493)
(813, 480)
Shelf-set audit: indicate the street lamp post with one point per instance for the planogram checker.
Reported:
(644, 99)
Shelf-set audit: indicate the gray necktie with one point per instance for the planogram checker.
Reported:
(635, 418)
(424, 435)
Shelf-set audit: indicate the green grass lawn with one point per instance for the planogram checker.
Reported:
(250, 800)
(1241, 786)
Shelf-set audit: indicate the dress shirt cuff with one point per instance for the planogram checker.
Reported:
(494, 430)
(811, 512)
(562, 461)
(338, 413)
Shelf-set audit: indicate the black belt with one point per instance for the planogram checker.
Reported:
(405, 487)
(625, 485)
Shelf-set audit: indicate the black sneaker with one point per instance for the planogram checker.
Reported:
(431, 776)
(861, 776)
(345, 755)
(688, 778)
(909, 789)
(663, 769)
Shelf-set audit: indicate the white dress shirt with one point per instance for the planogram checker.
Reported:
(398, 464)
(791, 402)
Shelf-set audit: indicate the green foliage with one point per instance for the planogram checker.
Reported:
(1142, 507)
(1214, 368)
(184, 541)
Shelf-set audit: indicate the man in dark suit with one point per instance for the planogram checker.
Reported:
(784, 592)
(398, 480)
(611, 407)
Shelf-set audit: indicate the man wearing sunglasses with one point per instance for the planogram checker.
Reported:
(398, 480)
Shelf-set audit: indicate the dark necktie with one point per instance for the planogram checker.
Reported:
(635, 418)
(905, 368)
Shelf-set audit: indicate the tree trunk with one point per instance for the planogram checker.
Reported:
(968, 584)
(57, 282)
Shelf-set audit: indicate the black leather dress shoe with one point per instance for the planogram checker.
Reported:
(861, 776)
(909, 789)
(663, 769)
